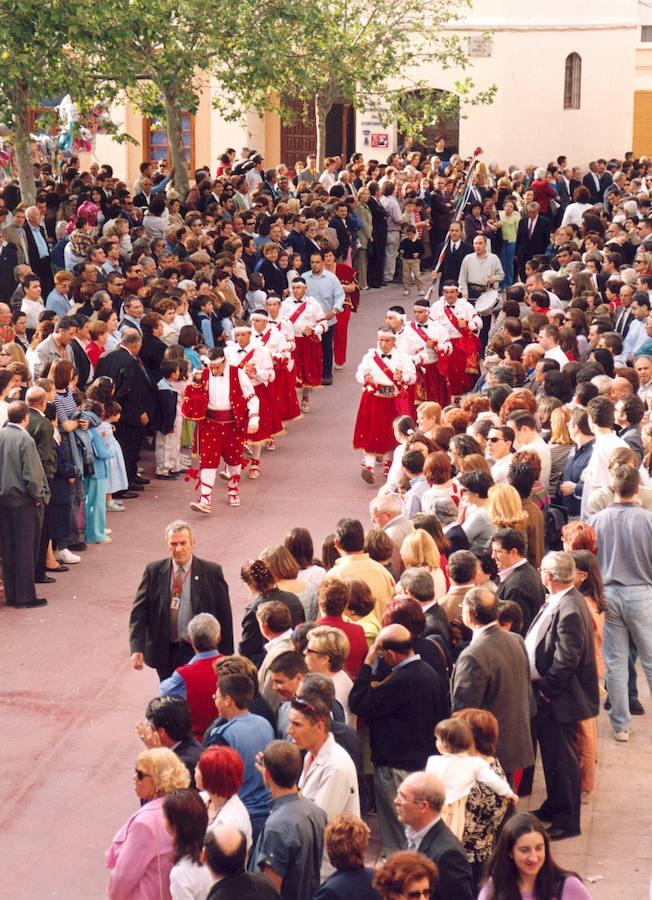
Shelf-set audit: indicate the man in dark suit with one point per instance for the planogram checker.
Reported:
(532, 237)
(82, 362)
(168, 723)
(8, 262)
(561, 652)
(136, 393)
(40, 428)
(456, 250)
(493, 673)
(519, 581)
(39, 250)
(170, 593)
(419, 801)
(401, 712)
(593, 183)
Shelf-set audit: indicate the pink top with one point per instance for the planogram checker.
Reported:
(141, 856)
(573, 889)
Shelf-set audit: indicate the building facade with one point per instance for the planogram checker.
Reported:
(572, 78)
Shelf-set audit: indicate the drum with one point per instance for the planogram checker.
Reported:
(487, 302)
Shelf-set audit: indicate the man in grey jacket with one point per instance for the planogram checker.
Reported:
(493, 673)
(23, 492)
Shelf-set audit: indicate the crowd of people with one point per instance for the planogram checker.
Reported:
(407, 677)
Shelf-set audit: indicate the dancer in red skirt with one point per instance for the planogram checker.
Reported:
(347, 276)
(284, 364)
(463, 324)
(256, 361)
(222, 401)
(428, 346)
(306, 316)
(385, 374)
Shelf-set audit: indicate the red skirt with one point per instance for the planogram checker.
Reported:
(218, 440)
(341, 336)
(308, 359)
(432, 385)
(462, 371)
(374, 431)
(265, 416)
(286, 388)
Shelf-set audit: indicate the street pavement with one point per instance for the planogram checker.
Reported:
(70, 700)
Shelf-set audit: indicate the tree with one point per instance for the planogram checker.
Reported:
(46, 52)
(368, 53)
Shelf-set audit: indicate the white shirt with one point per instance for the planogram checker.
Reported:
(218, 392)
(414, 838)
(558, 355)
(189, 881)
(500, 468)
(260, 357)
(459, 772)
(538, 627)
(461, 310)
(330, 780)
(234, 813)
(542, 450)
(395, 361)
(414, 344)
(596, 474)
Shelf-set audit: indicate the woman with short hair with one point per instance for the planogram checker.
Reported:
(219, 776)
(346, 839)
(406, 874)
(141, 855)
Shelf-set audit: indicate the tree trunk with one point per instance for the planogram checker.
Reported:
(320, 123)
(23, 148)
(175, 142)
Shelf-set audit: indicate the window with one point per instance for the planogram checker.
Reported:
(646, 34)
(573, 81)
(155, 140)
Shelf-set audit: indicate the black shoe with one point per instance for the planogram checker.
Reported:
(560, 834)
(45, 579)
(141, 480)
(58, 569)
(79, 547)
(31, 604)
(167, 476)
(126, 495)
(636, 708)
(607, 703)
(327, 381)
(136, 487)
(541, 813)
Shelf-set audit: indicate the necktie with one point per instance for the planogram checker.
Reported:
(531, 226)
(177, 587)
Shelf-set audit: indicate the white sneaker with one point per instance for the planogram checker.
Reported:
(622, 736)
(66, 557)
(200, 507)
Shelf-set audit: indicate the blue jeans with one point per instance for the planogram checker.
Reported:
(629, 612)
(507, 259)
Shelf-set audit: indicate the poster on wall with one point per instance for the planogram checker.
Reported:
(372, 134)
(380, 140)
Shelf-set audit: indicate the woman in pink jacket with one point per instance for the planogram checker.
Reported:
(141, 855)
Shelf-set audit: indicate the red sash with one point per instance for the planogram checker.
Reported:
(469, 343)
(245, 359)
(385, 369)
(266, 336)
(298, 312)
(442, 359)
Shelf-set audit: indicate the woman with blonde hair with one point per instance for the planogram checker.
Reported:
(420, 550)
(505, 507)
(326, 653)
(560, 445)
(285, 570)
(142, 853)
(428, 417)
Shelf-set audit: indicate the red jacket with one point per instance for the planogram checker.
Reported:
(357, 642)
(201, 681)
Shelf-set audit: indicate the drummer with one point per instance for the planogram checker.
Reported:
(480, 272)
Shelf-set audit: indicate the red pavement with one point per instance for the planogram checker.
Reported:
(70, 698)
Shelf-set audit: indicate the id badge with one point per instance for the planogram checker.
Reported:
(176, 602)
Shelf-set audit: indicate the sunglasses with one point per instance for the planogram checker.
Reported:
(302, 705)
(494, 440)
(140, 775)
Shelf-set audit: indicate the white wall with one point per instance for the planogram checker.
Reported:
(527, 121)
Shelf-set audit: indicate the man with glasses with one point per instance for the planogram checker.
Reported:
(419, 801)
(500, 449)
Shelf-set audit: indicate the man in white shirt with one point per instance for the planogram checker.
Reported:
(602, 419)
(527, 437)
(549, 341)
(643, 368)
(500, 451)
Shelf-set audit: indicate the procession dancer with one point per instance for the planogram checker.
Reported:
(263, 335)
(256, 362)
(284, 365)
(396, 320)
(429, 346)
(306, 316)
(222, 401)
(347, 276)
(385, 374)
(463, 324)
